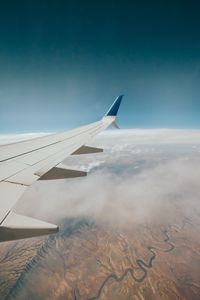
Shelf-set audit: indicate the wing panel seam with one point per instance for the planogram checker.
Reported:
(7, 159)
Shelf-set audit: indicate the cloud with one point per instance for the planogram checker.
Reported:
(125, 186)
(11, 138)
(153, 136)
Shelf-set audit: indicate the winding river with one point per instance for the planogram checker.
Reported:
(142, 265)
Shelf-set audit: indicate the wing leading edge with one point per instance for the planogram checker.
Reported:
(23, 163)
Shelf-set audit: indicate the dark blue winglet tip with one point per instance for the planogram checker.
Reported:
(115, 106)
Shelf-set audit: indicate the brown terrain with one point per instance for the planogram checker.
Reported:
(95, 261)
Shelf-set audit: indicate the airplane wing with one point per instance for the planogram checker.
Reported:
(23, 163)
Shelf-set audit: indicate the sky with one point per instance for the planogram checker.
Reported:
(62, 63)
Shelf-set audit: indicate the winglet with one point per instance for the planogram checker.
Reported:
(115, 106)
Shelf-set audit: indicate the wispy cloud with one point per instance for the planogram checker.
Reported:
(125, 186)
(11, 138)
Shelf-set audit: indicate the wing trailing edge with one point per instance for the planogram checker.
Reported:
(87, 150)
(62, 173)
(16, 226)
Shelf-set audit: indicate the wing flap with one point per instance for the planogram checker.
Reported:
(17, 226)
(61, 173)
(87, 150)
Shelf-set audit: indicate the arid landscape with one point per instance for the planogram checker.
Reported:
(89, 261)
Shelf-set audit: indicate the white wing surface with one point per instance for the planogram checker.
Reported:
(23, 163)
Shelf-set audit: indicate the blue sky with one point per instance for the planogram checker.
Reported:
(63, 63)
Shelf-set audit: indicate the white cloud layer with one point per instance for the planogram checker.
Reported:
(12, 138)
(155, 136)
(135, 180)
